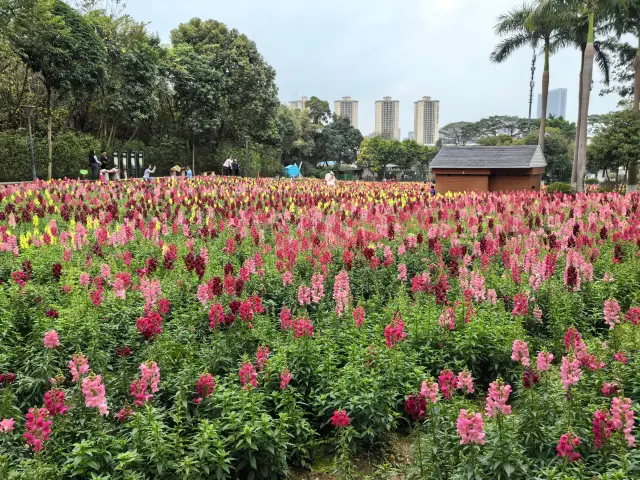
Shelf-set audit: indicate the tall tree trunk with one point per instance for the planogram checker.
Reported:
(587, 75)
(49, 134)
(632, 172)
(545, 95)
(111, 133)
(574, 170)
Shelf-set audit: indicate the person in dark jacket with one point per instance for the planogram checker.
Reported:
(95, 165)
(236, 168)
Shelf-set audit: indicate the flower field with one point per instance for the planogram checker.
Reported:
(245, 328)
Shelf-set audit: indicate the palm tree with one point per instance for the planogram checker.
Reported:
(525, 30)
(592, 9)
(577, 30)
(626, 19)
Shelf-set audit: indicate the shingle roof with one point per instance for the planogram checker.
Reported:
(520, 156)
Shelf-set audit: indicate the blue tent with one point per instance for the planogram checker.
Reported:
(292, 171)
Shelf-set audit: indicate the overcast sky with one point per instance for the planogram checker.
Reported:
(368, 49)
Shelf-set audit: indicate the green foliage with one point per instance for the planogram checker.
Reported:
(559, 187)
(616, 142)
(319, 110)
(377, 152)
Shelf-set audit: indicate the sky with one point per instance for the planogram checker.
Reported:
(368, 49)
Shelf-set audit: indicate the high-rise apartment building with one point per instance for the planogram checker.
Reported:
(425, 121)
(347, 108)
(556, 103)
(299, 104)
(411, 136)
(388, 118)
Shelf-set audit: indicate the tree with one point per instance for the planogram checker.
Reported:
(198, 92)
(129, 97)
(627, 20)
(249, 96)
(64, 50)
(319, 110)
(338, 141)
(524, 29)
(617, 142)
(593, 9)
(557, 150)
(496, 140)
(459, 133)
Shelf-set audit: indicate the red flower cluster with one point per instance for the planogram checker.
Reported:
(340, 419)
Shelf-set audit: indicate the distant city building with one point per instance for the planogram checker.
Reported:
(299, 104)
(388, 118)
(556, 103)
(425, 121)
(347, 108)
(411, 136)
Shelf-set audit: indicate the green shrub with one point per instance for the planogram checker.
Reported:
(559, 187)
(591, 181)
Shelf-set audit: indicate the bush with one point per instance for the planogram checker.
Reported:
(591, 181)
(559, 187)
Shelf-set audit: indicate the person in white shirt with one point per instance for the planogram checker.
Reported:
(226, 166)
(330, 178)
(148, 172)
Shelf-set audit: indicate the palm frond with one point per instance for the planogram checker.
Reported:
(513, 20)
(603, 61)
(507, 46)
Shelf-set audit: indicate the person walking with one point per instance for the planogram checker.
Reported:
(148, 172)
(330, 178)
(189, 173)
(226, 166)
(95, 165)
(235, 166)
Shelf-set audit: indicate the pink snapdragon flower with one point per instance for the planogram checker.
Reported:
(341, 292)
(622, 418)
(566, 446)
(497, 399)
(285, 378)
(429, 390)
(248, 376)
(78, 366)
(520, 352)
(358, 316)
(94, 393)
(465, 382)
(261, 357)
(611, 313)
(6, 425)
(38, 428)
(543, 361)
(51, 340)
(470, 428)
(570, 372)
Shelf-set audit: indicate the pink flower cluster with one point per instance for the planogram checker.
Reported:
(429, 390)
(448, 319)
(302, 327)
(497, 399)
(261, 357)
(248, 376)
(341, 292)
(6, 425)
(94, 393)
(566, 447)
(394, 332)
(570, 372)
(143, 388)
(358, 316)
(317, 287)
(51, 340)
(340, 419)
(611, 313)
(543, 361)
(54, 402)
(470, 428)
(622, 418)
(205, 387)
(285, 378)
(78, 366)
(38, 428)
(520, 352)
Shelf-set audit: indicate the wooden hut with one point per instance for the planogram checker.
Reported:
(488, 169)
